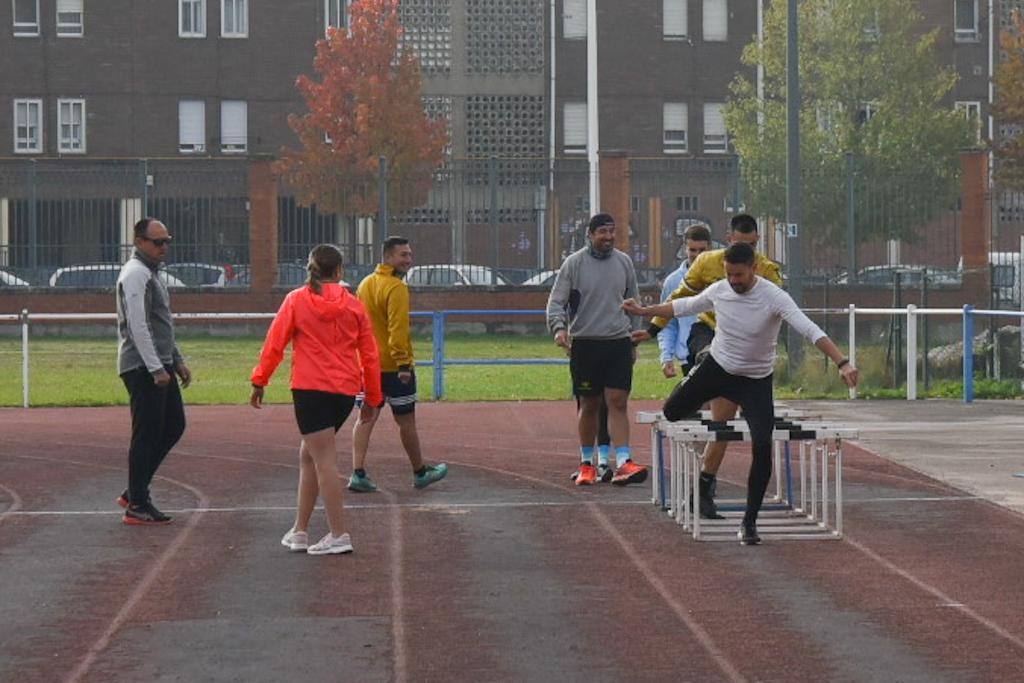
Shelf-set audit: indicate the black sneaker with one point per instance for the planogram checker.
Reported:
(706, 500)
(146, 513)
(748, 534)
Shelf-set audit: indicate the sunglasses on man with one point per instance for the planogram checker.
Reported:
(159, 241)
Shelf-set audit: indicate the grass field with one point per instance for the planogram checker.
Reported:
(82, 372)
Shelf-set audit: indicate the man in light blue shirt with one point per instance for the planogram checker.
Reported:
(672, 340)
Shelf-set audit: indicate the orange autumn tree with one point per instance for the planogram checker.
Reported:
(366, 104)
(1009, 106)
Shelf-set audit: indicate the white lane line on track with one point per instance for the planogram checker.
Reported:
(698, 631)
(401, 658)
(101, 643)
(944, 600)
(659, 587)
(439, 507)
(141, 588)
(15, 505)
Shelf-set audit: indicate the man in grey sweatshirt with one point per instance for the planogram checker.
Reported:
(585, 316)
(148, 360)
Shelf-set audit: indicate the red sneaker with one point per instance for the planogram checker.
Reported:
(587, 475)
(630, 473)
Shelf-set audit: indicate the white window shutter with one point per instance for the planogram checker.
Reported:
(574, 127)
(674, 118)
(192, 126)
(574, 18)
(674, 22)
(716, 20)
(715, 141)
(234, 128)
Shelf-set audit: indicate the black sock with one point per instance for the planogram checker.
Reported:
(421, 471)
(359, 472)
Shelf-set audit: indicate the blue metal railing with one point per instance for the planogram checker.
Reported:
(438, 324)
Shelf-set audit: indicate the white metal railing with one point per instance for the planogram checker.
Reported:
(968, 314)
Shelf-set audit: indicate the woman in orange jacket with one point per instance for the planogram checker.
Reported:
(334, 357)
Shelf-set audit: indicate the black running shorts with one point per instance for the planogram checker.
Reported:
(701, 336)
(319, 410)
(599, 364)
(401, 397)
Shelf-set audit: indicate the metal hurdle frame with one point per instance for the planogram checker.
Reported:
(783, 498)
(816, 512)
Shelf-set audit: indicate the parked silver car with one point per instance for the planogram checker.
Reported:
(99, 275)
(11, 280)
(457, 275)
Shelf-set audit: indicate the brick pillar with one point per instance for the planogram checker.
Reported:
(975, 226)
(262, 226)
(614, 170)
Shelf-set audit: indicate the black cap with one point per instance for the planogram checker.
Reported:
(600, 220)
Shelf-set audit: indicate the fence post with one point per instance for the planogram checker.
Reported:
(968, 353)
(492, 215)
(853, 343)
(438, 351)
(33, 217)
(24, 358)
(382, 198)
(851, 229)
(911, 352)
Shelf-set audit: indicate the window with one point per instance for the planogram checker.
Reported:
(673, 19)
(69, 17)
(965, 20)
(867, 112)
(71, 126)
(28, 129)
(574, 128)
(972, 112)
(872, 27)
(674, 125)
(336, 14)
(687, 203)
(715, 140)
(26, 17)
(574, 19)
(234, 136)
(234, 18)
(716, 20)
(191, 126)
(192, 18)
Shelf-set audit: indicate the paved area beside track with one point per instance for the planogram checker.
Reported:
(505, 571)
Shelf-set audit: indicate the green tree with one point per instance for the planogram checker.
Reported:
(367, 104)
(871, 85)
(1009, 106)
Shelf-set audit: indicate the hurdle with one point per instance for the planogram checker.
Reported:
(815, 512)
(779, 497)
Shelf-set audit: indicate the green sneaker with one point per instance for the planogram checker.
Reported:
(361, 484)
(431, 474)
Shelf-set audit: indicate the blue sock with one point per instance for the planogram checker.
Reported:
(587, 454)
(622, 454)
(602, 454)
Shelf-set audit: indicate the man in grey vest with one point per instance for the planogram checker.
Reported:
(148, 360)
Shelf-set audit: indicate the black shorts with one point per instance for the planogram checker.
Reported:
(701, 335)
(401, 397)
(318, 410)
(599, 364)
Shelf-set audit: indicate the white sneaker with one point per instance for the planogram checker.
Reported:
(331, 545)
(296, 541)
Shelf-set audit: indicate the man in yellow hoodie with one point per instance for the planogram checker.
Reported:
(707, 269)
(386, 297)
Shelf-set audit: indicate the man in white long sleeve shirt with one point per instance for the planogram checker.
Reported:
(749, 311)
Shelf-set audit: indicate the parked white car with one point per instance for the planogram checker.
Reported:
(545, 278)
(198, 274)
(11, 280)
(99, 275)
(457, 275)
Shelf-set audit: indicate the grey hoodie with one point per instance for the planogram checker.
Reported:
(145, 327)
(587, 296)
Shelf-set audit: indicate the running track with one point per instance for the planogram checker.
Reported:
(502, 572)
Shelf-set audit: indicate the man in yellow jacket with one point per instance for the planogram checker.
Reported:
(707, 269)
(386, 297)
